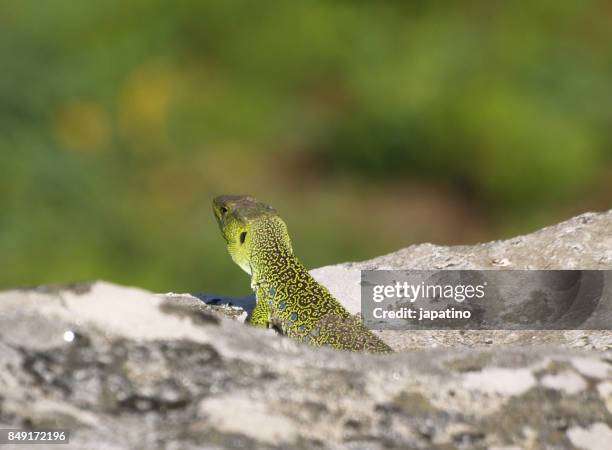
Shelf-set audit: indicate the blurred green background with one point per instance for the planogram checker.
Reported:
(369, 125)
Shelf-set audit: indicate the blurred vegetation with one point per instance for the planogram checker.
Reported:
(369, 125)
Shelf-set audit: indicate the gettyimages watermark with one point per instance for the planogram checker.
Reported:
(486, 299)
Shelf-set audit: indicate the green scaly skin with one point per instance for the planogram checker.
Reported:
(288, 297)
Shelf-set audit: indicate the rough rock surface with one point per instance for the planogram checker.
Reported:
(124, 368)
(583, 242)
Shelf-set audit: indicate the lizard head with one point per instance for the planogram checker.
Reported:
(249, 227)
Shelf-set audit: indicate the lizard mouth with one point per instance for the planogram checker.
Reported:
(221, 206)
(220, 214)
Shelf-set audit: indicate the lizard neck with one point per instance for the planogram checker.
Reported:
(272, 259)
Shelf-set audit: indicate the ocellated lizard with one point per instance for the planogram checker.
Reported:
(288, 297)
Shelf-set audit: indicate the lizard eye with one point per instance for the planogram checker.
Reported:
(223, 210)
(242, 237)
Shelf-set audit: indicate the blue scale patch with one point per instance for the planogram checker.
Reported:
(282, 306)
(293, 317)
